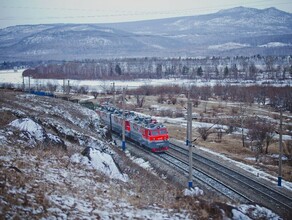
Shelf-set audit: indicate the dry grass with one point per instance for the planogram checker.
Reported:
(150, 189)
(230, 145)
(29, 176)
(27, 189)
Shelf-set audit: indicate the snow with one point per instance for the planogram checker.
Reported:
(9, 76)
(100, 161)
(277, 156)
(72, 191)
(140, 162)
(228, 46)
(28, 125)
(237, 215)
(193, 192)
(104, 162)
(64, 205)
(251, 169)
(253, 211)
(275, 44)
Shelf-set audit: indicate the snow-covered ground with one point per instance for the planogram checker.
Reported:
(9, 76)
(39, 179)
(42, 181)
(257, 173)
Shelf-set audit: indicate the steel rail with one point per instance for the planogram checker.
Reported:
(205, 178)
(281, 201)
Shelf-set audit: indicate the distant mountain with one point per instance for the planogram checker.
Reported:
(235, 31)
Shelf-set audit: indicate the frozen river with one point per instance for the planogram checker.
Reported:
(9, 76)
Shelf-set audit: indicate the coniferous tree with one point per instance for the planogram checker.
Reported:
(118, 69)
(226, 71)
(200, 71)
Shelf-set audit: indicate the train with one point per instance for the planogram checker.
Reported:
(143, 130)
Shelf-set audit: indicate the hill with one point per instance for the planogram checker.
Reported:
(57, 163)
(236, 31)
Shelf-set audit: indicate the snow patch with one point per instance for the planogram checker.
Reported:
(140, 162)
(228, 46)
(32, 128)
(275, 44)
(100, 161)
(246, 212)
(251, 169)
(193, 192)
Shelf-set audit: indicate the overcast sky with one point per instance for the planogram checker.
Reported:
(16, 12)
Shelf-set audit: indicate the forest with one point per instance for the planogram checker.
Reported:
(223, 68)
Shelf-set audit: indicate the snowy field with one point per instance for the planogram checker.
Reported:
(9, 76)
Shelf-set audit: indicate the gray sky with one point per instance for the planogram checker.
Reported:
(16, 12)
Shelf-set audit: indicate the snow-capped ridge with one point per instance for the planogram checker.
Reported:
(151, 37)
(239, 9)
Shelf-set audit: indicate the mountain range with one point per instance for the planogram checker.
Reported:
(237, 31)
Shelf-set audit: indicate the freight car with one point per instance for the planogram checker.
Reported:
(143, 130)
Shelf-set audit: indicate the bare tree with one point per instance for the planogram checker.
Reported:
(219, 130)
(94, 93)
(242, 117)
(51, 87)
(161, 99)
(82, 90)
(182, 102)
(288, 150)
(204, 132)
(172, 99)
(139, 101)
(261, 131)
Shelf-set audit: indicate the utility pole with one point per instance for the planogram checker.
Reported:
(29, 84)
(281, 150)
(23, 85)
(64, 86)
(114, 94)
(188, 124)
(123, 124)
(189, 141)
(68, 89)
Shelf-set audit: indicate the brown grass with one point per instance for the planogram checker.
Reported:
(230, 145)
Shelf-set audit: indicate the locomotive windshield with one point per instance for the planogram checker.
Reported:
(163, 131)
(157, 132)
(154, 133)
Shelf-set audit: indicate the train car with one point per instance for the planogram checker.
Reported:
(150, 134)
(143, 130)
(104, 113)
(117, 122)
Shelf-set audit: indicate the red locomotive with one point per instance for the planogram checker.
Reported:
(143, 130)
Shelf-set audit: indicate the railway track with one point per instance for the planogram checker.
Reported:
(205, 178)
(250, 188)
(226, 181)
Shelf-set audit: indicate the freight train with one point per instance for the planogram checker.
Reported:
(143, 130)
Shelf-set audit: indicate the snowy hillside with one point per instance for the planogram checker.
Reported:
(56, 163)
(181, 36)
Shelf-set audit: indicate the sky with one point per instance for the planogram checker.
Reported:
(19, 12)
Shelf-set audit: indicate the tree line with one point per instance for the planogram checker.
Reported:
(232, 68)
(276, 97)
